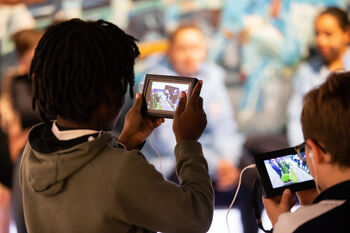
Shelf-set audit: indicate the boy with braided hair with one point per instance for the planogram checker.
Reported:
(75, 176)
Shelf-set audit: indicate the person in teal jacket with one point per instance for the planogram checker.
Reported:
(274, 35)
(333, 53)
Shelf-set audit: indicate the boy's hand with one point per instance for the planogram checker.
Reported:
(278, 205)
(190, 119)
(136, 126)
(306, 197)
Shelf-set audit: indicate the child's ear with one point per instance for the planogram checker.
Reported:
(327, 157)
(317, 155)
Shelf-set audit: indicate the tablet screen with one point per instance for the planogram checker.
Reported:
(287, 170)
(161, 94)
(165, 95)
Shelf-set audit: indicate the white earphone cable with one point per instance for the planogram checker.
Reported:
(237, 190)
(157, 152)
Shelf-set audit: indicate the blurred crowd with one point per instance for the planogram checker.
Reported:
(257, 59)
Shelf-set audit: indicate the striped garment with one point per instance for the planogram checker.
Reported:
(330, 212)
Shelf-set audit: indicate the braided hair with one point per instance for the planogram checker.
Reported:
(78, 65)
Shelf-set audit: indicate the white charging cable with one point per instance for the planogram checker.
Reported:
(157, 152)
(237, 190)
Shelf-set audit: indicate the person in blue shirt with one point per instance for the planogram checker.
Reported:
(221, 140)
(234, 12)
(332, 39)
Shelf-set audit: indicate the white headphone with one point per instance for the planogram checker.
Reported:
(311, 154)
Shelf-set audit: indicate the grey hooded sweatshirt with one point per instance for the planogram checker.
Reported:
(97, 187)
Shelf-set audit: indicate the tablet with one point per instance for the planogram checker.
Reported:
(161, 93)
(283, 169)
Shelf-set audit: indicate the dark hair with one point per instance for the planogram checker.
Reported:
(340, 15)
(326, 117)
(78, 65)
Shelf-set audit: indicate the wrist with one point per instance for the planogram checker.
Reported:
(129, 142)
(182, 138)
(187, 147)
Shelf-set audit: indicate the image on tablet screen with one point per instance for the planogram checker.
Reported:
(165, 96)
(287, 170)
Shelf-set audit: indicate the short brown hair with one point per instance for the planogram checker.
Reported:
(326, 117)
(183, 27)
(26, 39)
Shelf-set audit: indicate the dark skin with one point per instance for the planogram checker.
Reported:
(137, 128)
(103, 118)
(189, 120)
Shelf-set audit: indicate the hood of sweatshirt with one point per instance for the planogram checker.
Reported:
(50, 162)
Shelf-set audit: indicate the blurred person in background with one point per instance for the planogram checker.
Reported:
(15, 102)
(267, 39)
(221, 141)
(16, 112)
(14, 17)
(332, 43)
(272, 36)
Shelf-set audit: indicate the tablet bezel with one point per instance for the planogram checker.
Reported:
(268, 189)
(150, 78)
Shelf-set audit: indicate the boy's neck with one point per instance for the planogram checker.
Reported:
(333, 175)
(65, 123)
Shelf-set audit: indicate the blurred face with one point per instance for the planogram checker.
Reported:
(331, 40)
(187, 52)
(25, 60)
